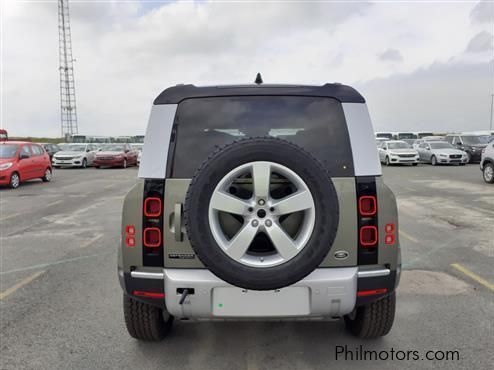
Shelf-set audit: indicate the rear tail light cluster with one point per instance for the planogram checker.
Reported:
(152, 221)
(368, 232)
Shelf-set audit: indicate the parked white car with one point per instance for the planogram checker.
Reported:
(75, 155)
(417, 142)
(487, 163)
(397, 152)
(441, 152)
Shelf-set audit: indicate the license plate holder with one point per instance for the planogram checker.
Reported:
(238, 302)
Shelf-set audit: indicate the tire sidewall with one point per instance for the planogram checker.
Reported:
(196, 213)
(11, 183)
(489, 181)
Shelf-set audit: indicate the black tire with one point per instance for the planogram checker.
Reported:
(146, 322)
(462, 164)
(487, 167)
(15, 180)
(433, 160)
(47, 178)
(96, 166)
(414, 164)
(84, 163)
(374, 319)
(387, 162)
(229, 157)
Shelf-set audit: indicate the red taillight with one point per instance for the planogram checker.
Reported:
(152, 207)
(367, 205)
(130, 241)
(141, 293)
(364, 293)
(390, 234)
(390, 239)
(368, 236)
(152, 237)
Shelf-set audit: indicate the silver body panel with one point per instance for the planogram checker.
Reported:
(330, 292)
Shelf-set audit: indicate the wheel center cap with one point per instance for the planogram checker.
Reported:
(261, 213)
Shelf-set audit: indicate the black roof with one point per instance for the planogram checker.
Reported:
(175, 94)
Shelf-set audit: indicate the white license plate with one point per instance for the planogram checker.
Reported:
(237, 302)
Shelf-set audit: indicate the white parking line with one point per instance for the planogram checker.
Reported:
(20, 284)
(10, 216)
(44, 265)
(409, 237)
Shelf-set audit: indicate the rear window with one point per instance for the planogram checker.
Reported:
(315, 124)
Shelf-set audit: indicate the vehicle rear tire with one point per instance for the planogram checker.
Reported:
(15, 180)
(387, 162)
(236, 271)
(84, 163)
(488, 172)
(48, 175)
(433, 160)
(374, 319)
(146, 322)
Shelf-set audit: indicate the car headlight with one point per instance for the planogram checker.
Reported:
(5, 166)
(443, 155)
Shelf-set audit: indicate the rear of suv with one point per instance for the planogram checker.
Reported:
(259, 202)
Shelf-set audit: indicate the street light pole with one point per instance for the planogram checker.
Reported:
(492, 111)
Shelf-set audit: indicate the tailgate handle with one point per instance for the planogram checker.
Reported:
(177, 222)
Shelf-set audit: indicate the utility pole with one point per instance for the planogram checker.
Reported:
(492, 111)
(66, 66)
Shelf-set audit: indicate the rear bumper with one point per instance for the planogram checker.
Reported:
(326, 292)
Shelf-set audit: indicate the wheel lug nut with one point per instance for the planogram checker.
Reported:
(261, 202)
(268, 223)
(251, 209)
(255, 223)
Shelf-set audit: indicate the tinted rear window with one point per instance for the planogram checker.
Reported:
(316, 124)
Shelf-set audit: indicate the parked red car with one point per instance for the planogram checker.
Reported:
(21, 161)
(116, 155)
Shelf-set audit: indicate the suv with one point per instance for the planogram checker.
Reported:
(487, 163)
(259, 202)
(472, 144)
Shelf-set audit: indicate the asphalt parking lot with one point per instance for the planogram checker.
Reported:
(61, 302)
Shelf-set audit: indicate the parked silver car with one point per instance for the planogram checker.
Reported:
(441, 152)
(75, 155)
(397, 152)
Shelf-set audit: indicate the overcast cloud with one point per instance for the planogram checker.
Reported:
(420, 65)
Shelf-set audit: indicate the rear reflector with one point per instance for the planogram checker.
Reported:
(152, 207)
(152, 237)
(390, 238)
(389, 228)
(367, 205)
(141, 293)
(365, 293)
(130, 230)
(130, 241)
(368, 236)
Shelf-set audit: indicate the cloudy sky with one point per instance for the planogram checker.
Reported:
(420, 64)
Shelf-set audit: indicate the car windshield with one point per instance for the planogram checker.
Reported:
(441, 145)
(73, 148)
(398, 145)
(112, 148)
(8, 150)
(476, 140)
